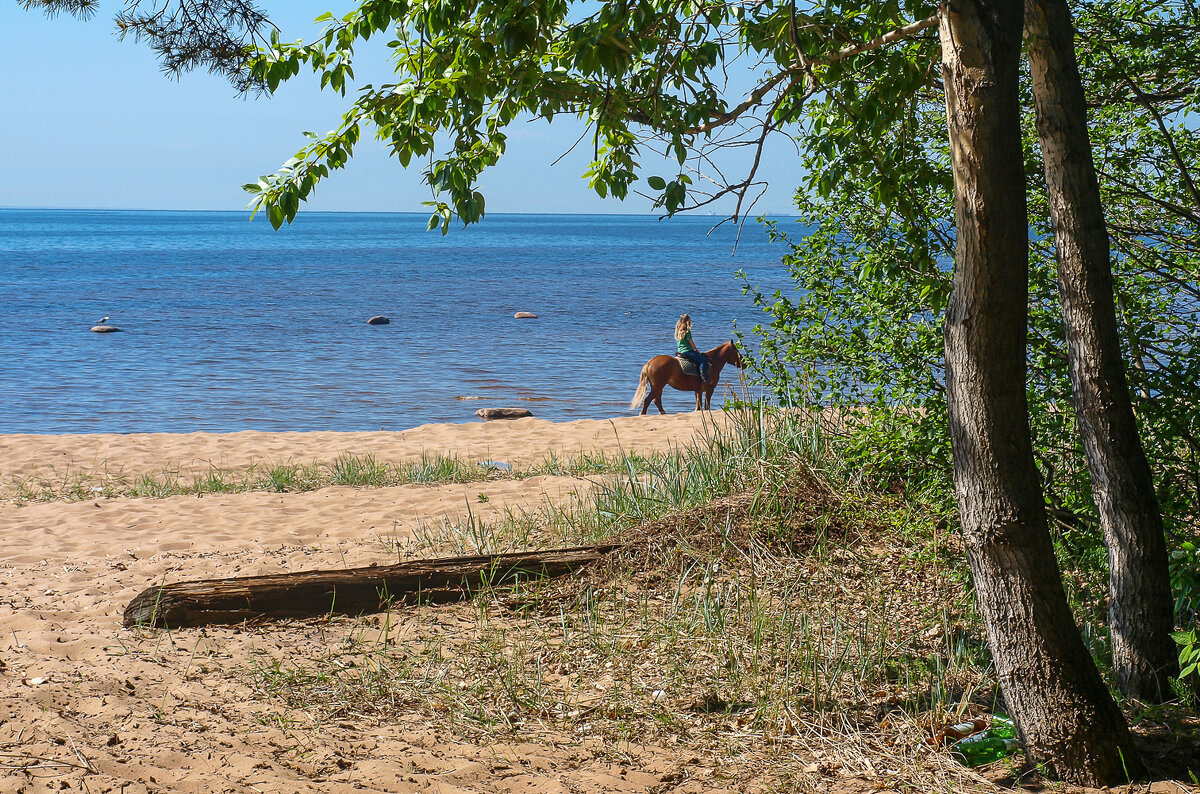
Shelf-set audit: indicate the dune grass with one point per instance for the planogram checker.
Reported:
(348, 469)
(786, 630)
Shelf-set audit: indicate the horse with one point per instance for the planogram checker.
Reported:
(662, 371)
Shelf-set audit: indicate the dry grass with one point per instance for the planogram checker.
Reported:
(792, 634)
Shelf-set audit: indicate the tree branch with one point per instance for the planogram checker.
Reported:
(803, 67)
(1145, 102)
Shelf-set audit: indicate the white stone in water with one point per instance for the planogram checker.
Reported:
(524, 316)
(105, 329)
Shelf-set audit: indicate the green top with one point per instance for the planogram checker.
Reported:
(685, 344)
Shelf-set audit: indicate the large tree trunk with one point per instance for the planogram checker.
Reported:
(1140, 611)
(1066, 718)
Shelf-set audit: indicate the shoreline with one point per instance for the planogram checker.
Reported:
(516, 441)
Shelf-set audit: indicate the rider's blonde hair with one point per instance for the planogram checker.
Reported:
(683, 326)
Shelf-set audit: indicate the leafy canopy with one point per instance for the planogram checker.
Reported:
(863, 326)
(641, 73)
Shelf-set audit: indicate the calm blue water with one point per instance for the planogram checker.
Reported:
(229, 325)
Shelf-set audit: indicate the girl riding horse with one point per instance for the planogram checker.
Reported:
(662, 371)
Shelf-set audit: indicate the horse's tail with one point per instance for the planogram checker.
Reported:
(640, 394)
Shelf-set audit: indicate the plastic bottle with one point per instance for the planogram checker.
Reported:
(987, 746)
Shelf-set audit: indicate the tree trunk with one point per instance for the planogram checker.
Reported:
(352, 591)
(1141, 611)
(1066, 717)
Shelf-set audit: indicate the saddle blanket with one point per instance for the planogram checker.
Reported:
(687, 366)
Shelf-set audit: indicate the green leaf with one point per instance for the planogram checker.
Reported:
(656, 182)
(275, 215)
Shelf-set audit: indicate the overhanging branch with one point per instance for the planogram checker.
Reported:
(803, 68)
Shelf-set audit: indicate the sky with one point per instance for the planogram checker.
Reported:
(92, 122)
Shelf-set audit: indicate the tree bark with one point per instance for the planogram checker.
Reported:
(353, 591)
(1065, 716)
(1141, 610)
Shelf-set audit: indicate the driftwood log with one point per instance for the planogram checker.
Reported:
(352, 591)
(488, 414)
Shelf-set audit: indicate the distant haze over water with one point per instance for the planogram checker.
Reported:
(229, 325)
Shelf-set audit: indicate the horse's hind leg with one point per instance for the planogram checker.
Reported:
(657, 395)
(646, 402)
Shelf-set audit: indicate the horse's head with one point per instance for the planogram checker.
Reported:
(735, 357)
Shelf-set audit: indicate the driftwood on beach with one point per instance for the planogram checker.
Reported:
(352, 591)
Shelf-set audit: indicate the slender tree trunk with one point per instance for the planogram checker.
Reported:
(1140, 612)
(1066, 718)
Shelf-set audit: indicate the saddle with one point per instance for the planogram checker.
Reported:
(687, 366)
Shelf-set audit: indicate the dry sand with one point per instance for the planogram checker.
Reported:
(91, 706)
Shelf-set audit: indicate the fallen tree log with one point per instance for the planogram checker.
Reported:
(352, 591)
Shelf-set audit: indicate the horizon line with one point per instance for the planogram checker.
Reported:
(4, 207)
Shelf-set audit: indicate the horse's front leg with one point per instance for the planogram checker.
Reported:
(708, 400)
(699, 397)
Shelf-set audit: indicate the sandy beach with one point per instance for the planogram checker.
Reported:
(91, 706)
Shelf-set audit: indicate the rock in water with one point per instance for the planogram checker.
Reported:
(488, 414)
(524, 316)
(105, 329)
(379, 319)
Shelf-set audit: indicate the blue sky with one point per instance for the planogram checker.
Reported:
(91, 121)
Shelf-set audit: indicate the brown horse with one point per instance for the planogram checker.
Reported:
(662, 371)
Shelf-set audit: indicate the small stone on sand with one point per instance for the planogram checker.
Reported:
(502, 413)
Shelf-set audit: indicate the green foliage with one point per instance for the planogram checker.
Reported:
(1187, 686)
(863, 325)
(1185, 580)
(862, 330)
(1189, 655)
(635, 71)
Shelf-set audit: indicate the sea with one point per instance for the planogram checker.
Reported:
(228, 325)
